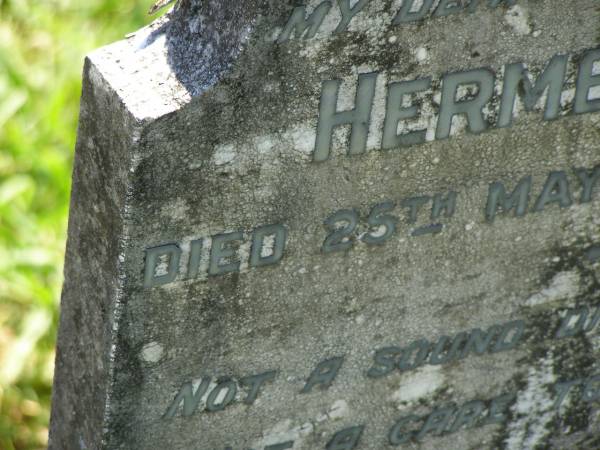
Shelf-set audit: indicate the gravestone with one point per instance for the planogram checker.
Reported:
(337, 225)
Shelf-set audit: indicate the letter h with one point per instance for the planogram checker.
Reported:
(359, 118)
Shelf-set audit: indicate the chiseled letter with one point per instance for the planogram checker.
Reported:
(395, 112)
(195, 258)
(518, 199)
(436, 423)
(568, 328)
(324, 374)
(230, 389)
(517, 76)
(359, 117)
(406, 13)
(283, 446)
(442, 353)
(496, 3)
(498, 409)
(399, 437)
(467, 415)
(346, 439)
(472, 108)
(221, 250)
(190, 399)
(587, 79)
(279, 235)
(479, 342)
(301, 25)
(510, 336)
(447, 7)
(588, 181)
(556, 190)
(420, 348)
(349, 12)
(591, 390)
(255, 382)
(384, 362)
(446, 205)
(562, 389)
(153, 255)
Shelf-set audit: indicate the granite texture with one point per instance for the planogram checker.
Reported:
(204, 124)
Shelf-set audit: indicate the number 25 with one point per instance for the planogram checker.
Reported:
(342, 225)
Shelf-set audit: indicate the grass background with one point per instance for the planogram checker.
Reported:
(42, 45)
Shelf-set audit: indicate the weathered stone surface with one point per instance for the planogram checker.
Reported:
(415, 303)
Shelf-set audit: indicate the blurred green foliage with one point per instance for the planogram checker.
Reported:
(42, 44)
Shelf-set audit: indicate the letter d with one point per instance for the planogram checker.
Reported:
(173, 254)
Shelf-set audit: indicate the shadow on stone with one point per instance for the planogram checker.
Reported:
(205, 37)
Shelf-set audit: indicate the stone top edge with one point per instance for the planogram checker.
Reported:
(138, 70)
(159, 68)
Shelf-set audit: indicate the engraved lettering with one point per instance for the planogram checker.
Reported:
(256, 382)
(471, 107)
(450, 419)
(397, 436)
(282, 446)
(382, 225)
(587, 79)
(302, 26)
(396, 112)
(447, 7)
(155, 257)
(265, 246)
(414, 204)
(349, 12)
(358, 118)
(339, 238)
(221, 250)
(467, 415)
(428, 229)
(498, 409)
(421, 347)
(570, 327)
(346, 439)
(436, 422)
(408, 12)
(499, 338)
(591, 389)
(324, 374)
(446, 205)
(593, 321)
(480, 342)
(189, 397)
(385, 362)
(278, 233)
(562, 389)
(556, 190)
(469, 97)
(510, 337)
(195, 258)
(550, 80)
(588, 179)
(221, 396)
(437, 358)
(496, 3)
(517, 200)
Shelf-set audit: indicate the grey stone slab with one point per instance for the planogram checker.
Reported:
(245, 270)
